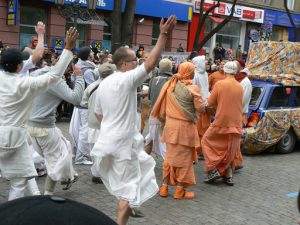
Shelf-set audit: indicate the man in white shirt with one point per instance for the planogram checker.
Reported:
(119, 157)
(16, 97)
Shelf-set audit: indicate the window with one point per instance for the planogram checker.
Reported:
(107, 35)
(28, 19)
(256, 93)
(279, 98)
(155, 31)
(291, 4)
(266, 2)
(296, 99)
(229, 35)
(80, 42)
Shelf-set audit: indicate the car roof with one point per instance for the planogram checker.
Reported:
(260, 83)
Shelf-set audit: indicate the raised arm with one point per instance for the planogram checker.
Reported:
(42, 83)
(39, 50)
(165, 28)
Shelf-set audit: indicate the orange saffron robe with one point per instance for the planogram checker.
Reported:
(214, 78)
(221, 142)
(181, 137)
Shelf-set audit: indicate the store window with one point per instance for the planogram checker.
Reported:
(28, 19)
(107, 35)
(229, 35)
(291, 4)
(81, 40)
(155, 31)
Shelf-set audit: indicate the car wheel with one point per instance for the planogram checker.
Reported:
(286, 143)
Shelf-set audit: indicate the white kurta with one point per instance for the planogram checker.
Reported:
(16, 97)
(119, 157)
(247, 91)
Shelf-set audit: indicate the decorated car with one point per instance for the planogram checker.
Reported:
(274, 110)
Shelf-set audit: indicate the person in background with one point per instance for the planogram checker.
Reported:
(216, 76)
(34, 42)
(38, 50)
(180, 48)
(239, 52)
(152, 140)
(140, 52)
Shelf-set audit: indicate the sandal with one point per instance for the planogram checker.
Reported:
(229, 181)
(212, 176)
(181, 193)
(134, 212)
(68, 183)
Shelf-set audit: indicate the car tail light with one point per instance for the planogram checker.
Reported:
(253, 119)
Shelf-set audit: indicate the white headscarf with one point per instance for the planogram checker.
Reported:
(201, 77)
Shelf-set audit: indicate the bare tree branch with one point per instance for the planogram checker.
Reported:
(202, 20)
(216, 29)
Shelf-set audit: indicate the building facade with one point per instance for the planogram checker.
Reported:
(248, 15)
(18, 17)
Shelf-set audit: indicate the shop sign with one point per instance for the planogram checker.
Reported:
(241, 12)
(98, 45)
(280, 18)
(12, 12)
(206, 5)
(101, 4)
(58, 43)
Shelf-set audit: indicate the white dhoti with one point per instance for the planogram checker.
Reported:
(56, 150)
(127, 174)
(79, 133)
(154, 134)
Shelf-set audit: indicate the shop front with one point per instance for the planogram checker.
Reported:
(18, 32)
(233, 33)
(282, 28)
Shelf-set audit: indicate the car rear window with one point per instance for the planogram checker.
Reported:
(279, 98)
(256, 92)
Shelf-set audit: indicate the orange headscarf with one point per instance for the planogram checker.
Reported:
(184, 75)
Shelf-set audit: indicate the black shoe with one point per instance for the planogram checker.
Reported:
(228, 181)
(97, 180)
(68, 183)
(212, 176)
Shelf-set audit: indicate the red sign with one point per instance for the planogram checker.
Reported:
(206, 5)
(249, 14)
(222, 8)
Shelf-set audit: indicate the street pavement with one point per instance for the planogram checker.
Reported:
(264, 193)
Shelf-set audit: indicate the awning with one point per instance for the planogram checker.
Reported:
(216, 19)
(99, 22)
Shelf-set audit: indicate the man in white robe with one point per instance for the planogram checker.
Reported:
(16, 97)
(119, 157)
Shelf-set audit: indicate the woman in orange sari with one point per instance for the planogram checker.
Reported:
(177, 106)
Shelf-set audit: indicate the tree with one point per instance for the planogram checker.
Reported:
(296, 29)
(122, 23)
(198, 44)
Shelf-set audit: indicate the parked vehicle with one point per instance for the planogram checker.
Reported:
(273, 118)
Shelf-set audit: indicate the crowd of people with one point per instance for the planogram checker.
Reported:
(193, 113)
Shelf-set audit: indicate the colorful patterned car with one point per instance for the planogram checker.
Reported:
(273, 119)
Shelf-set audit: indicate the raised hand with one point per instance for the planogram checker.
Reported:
(40, 28)
(169, 25)
(71, 37)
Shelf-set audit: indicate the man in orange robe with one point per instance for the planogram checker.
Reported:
(216, 76)
(221, 141)
(178, 104)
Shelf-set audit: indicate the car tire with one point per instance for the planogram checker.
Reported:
(287, 143)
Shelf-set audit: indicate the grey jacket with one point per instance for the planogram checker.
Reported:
(44, 107)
